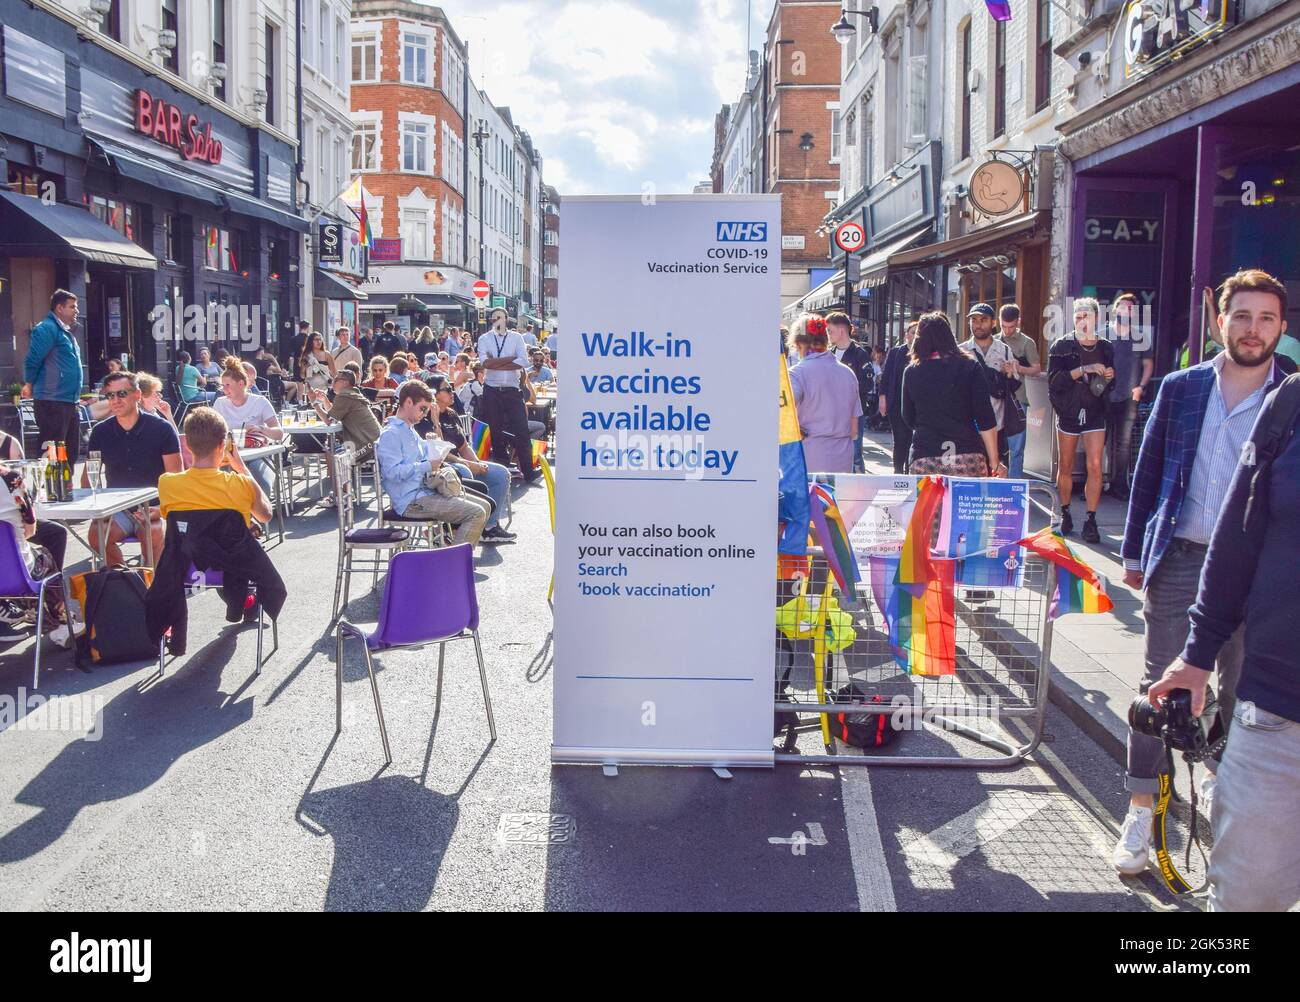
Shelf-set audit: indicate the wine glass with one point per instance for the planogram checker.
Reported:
(94, 470)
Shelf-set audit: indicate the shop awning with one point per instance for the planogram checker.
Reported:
(437, 304)
(33, 228)
(157, 175)
(990, 236)
(330, 286)
(875, 266)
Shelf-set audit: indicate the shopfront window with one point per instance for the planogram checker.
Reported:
(115, 213)
(995, 283)
(23, 181)
(224, 251)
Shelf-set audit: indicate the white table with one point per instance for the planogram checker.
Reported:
(329, 429)
(99, 506)
(275, 450)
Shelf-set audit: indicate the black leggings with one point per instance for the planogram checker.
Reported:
(54, 538)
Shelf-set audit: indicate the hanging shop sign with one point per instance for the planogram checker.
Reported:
(167, 124)
(1156, 31)
(997, 188)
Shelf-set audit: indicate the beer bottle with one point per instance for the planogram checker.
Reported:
(51, 481)
(65, 473)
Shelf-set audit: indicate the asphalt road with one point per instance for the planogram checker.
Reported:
(215, 789)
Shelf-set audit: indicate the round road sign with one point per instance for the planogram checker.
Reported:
(481, 289)
(850, 237)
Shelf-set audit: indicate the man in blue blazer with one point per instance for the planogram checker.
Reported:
(1190, 448)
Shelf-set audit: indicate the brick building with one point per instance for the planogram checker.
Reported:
(803, 77)
(551, 252)
(409, 93)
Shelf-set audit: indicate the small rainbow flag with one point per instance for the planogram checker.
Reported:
(833, 537)
(364, 222)
(915, 565)
(1078, 587)
(928, 617)
(482, 436)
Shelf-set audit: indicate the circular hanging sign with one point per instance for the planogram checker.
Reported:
(850, 237)
(997, 188)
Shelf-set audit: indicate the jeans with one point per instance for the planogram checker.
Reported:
(1255, 865)
(264, 473)
(1170, 592)
(497, 479)
(1120, 419)
(466, 514)
(859, 465)
(1016, 448)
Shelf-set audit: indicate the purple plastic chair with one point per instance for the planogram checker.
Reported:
(197, 581)
(17, 584)
(410, 617)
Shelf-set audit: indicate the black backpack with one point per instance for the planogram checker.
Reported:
(1269, 441)
(114, 617)
(862, 730)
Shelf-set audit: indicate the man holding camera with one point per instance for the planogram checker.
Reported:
(1201, 420)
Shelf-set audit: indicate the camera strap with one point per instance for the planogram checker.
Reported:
(1174, 880)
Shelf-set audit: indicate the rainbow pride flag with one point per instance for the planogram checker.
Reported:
(1078, 587)
(482, 436)
(363, 222)
(833, 537)
(792, 508)
(539, 452)
(915, 563)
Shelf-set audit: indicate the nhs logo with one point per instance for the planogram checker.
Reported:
(742, 232)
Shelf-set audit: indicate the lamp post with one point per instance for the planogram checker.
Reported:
(844, 29)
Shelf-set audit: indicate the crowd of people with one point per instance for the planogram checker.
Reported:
(406, 417)
(1212, 528)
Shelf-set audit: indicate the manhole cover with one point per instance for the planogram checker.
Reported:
(536, 829)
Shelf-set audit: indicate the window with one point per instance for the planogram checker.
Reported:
(340, 33)
(851, 129)
(965, 90)
(169, 236)
(272, 63)
(1043, 57)
(835, 134)
(223, 249)
(365, 147)
(415, 147)
(365, 57)
(323, 37)
(415, 59)
(999, 77)
(171, 22)
(322, 162)
(917, 123)
(416, 241)
(340, 172)
(219, 44)
(120, 215)
(868, 145)
(111, 23)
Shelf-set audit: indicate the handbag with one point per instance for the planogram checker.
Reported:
(1013, 416)
(445, 481)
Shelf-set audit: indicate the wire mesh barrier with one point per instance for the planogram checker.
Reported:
(836, 656)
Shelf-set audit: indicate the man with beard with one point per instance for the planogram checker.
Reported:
(1202, 418)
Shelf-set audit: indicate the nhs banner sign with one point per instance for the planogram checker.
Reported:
(742, 232)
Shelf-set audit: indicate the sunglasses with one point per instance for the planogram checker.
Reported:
(116, 394)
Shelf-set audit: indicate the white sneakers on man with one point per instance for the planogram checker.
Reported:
(1133, 850)
(1205, 793)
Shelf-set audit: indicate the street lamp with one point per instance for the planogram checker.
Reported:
(806, 142)
(844, 30)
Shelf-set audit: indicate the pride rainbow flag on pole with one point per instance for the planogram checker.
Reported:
(792, 507)
(1078, 587)
(363, 219)
(482, 436)
(833, 537)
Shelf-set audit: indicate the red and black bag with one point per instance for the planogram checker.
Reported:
(862, 730)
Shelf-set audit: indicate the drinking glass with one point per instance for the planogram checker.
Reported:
(94, 470)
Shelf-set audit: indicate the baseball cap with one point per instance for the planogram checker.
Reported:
(430, 357)
(981, 310)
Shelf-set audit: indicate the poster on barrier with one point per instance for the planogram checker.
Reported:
(979, 526)
(666, 480)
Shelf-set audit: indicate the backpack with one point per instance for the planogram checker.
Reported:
(1269, 441)
(112, 611)
(862, 730)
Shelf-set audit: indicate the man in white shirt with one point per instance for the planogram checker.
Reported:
(347, 351)
(526, 332)
(504, 357)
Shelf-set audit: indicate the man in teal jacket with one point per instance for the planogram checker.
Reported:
(52, 371)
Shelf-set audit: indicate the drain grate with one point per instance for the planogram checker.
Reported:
(536, 829)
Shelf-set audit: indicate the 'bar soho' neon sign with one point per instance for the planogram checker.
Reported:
(166, 123)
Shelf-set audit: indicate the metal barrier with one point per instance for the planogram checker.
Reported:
(1003, 658)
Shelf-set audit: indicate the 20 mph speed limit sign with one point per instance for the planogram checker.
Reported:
(850, 237)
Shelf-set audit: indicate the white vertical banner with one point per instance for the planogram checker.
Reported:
(666, 480)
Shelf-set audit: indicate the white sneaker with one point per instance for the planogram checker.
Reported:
(61, 636)
(1133, 850)
(1205, 793)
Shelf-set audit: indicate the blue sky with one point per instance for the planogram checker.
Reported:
(615, 93)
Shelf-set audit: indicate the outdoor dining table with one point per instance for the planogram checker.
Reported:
(89, 505)
(276, 450)
(329, 429)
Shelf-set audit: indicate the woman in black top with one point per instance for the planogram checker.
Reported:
(1080, 369)
(945, 401)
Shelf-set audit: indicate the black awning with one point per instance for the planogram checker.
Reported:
(332, 287)
(264, 210)
(33, 228)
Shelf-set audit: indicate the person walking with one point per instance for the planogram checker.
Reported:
(890, 405)
(347, 351)
(52, 373)
(1199, 425)
(1134, 364)
(1028, 363)
(1080, 369)
(1001, 364)
(504, 358)
(946, 403)
(839, 331)
(827, 401)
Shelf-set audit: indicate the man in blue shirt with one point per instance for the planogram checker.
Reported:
(53, 375)
(1201, 420)
(405, 464)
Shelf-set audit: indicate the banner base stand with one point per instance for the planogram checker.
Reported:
(721, 761)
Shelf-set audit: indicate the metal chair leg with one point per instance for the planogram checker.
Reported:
(442, 656)
(40, 622)
(379, 710)
(338, 680)
(482, 674)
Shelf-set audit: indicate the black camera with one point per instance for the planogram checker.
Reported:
(1173, 723)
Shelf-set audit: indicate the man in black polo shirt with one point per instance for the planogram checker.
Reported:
(839, 330)
(389, 340)
(137, 448)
